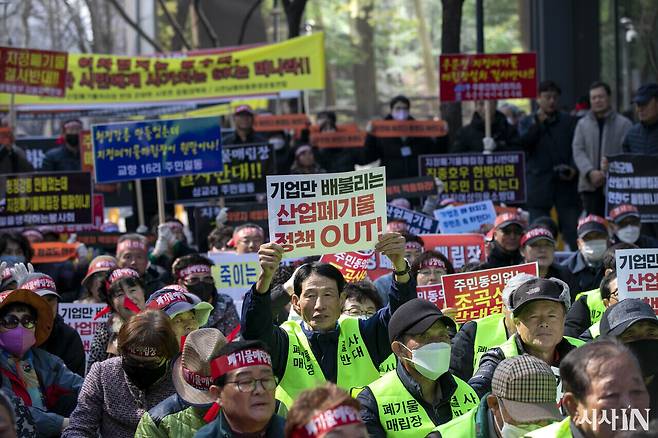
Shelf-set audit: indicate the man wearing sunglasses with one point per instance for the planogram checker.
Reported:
(38, 378)
(243, 387)
(504, 250)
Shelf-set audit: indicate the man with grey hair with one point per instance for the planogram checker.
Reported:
(476, 337)
(539, 307)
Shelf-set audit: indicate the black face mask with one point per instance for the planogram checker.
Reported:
(205, 291)
(73, 139)
(143, 377)
(646, 352)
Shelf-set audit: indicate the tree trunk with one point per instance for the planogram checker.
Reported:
(294, 12)
(429, 66)
(100, 14)
(451, 25)
(365, 75)
(182, 12)
(329, 88)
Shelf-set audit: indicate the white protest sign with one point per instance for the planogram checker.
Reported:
(637, 274)
(234, 274)
(327, 213)
(466, 218)
(81, 318)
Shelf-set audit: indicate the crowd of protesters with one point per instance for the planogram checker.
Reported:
(312, 355)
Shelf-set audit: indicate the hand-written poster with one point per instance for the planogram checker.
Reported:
(327, 213)
(480, 293)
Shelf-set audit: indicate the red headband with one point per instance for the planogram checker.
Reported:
(196, 380)
(433, 263)
(537, 232)
(131, 244)
(246, 231)
(324, 422)
(174, 224)
(193, 269)
(239, 359)
(40, 283)
(120, 274)
(167, 299)
(413, 245)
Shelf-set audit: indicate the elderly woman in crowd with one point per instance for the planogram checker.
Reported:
(92, 284)
(124, 293)
(40, 380)
(117, 392)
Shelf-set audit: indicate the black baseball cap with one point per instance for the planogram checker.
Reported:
(534, 290)
(414, 317)
(645, 93)
(617, 318)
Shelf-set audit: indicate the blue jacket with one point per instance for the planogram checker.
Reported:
(642, 139)
(59, 388)
(221, 429)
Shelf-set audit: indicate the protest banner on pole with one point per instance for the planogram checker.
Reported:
(632, 179)
(499, 177)
(480, 293)
(353, 265)
(54, 252)
(416, 187)
(408, 128)
(54, 198)
(488, 76)
(126, 151)
(417, 223)
(467, 218)
(637, 275)
(234, 274)
(432, 293)
(284, 122)
(243, 174)
(33, 72)
(80, 317)
(327, 213)
(104, 80)
(459, 248)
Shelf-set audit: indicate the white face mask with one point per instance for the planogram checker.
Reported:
(594, 250)
(629, 234)
(277, 143)
(430, 360)
(514, 431)
(400, 114)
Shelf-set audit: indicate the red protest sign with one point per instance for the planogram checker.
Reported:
(432, 293)
(488, 76)
(345, 127)
(54, 252)
(459, 248)
(281, 123)
(86, 152)
(338, 139)
(33, 72)
(409, 128)
(353, 265)
(378, 266)
(480, 293)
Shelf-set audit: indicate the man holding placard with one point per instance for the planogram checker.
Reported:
(323, 347)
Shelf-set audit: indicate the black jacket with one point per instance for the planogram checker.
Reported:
(469, 138)
(65, 343)
(234, 138)
(481, 381)
(586, 277)
(578, 318)
(257, 324)
(546, 145)
(155, 278)
(60, 158)
(399, 155)
(440, 412)
(499, 258)
(562, 273)
(13, 160)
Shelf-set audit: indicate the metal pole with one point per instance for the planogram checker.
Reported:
(161, 208)
(140, 202)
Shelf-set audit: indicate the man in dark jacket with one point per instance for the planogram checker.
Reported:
(12, 158)
(334, 159)
(643, 136)
(586, 264)
(244, 128)
(66, 156)
(471, 138)
(551, 173)
(508, 230)
(400, 154)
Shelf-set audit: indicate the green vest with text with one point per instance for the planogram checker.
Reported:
(388, 365)
(460, 427)
(510, 349)
(555, 430)
(594, 304)
(355, 367)
(595, 330)
(401, 415)
(490, 333)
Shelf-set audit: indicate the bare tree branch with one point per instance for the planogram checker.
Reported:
(206, 23)
(174, 24)
(135, 26)
(243, 29)
(77, 23)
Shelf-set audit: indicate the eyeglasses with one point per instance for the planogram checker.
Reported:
(268, 384)
(357, 313)
(11, 322)
(196, 280)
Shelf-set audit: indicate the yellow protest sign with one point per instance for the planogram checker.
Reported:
(296, 64)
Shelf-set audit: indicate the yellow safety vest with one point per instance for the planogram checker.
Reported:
(510, 349)
(389, 364)
(490, 332)
(594, 304)
(460, 427)
(401, 415)
(555, 430)
(595, 330)
(355, 367)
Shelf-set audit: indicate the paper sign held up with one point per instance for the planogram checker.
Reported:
(637, 274)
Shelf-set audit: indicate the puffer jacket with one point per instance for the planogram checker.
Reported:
(171, 418)
(59, 389)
